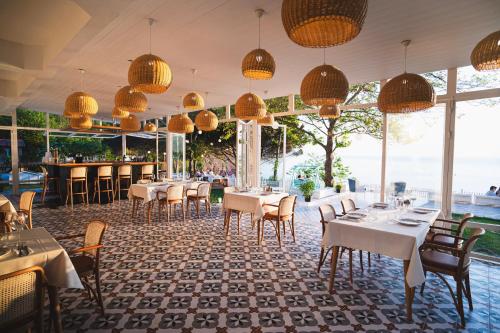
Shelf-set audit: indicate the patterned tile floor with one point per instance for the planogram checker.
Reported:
(187, 277)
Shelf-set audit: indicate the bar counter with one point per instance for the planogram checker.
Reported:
(62, 170)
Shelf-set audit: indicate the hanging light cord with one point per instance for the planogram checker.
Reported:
(151, 21)
(82, 73)
(324, 56)
(406, 43)
(259, 31)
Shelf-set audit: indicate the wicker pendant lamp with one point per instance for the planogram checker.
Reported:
(206, 120)
(149, 73)
(82, 122)
(323, 23)
(407, 92)
(267, 120)
(129, 100)
(70, 115)
(329, 111)
(250, 107)
(130, 124)
(118, 113)
(486, 54)
(324, 85)
(181, 124)
(193, 101)
(150, 127)
(258, 64)
(81, 103)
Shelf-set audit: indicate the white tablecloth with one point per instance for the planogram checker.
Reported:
(7, 207)
(250, 202)
(47, 253)
(148, 191)
(379, 233)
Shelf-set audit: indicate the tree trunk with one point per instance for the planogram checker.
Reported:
(276, 160)
(329, 155)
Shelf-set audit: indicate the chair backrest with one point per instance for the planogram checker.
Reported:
(125, 170)
(26, 200)
(348, 205)
(175, 192)
(204, 189)
(78, 172)
(475, 234)
(147, 169)
(327, 213)
(463, 223)
(94, 235)
(22, 297)
(287, 206)
(163, 166)
(105, 171)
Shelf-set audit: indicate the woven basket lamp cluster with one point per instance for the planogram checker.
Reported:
(329, 112)
(193, 101)
(405, 93)
(129, 100)
(181, 124)
(206, 121)
(323, 23)
(258, 65)
(82, 122)
(250, 107)
(486, 54)
(149, 74)
(130, 124)
(324, 85)
(150, 127)
(118, 113)
(267, 120)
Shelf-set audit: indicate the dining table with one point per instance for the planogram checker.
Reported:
(145, 192)
(46, 252)
(250, 201)
(394, 232)
(7, 209)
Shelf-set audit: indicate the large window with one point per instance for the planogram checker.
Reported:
(32, 146)
(5, 162)
(415, 156)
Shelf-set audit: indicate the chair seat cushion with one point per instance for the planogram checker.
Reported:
(273, 215)
(439, 259)
(84, 265)
(194, 196)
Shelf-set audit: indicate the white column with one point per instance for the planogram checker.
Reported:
(254, 154)
(124, 144)
(228, 111)
(14, 154)
(238, 182)
(157, 165)
(449, 145)
(47, 131)
(284, 158)
(169, 151)
(384, 152)
(291, 103)
(183, 156)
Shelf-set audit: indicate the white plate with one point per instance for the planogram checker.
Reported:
(408, 223)
(380, 205)
(421, 211)
(357, 215)
(350, 218)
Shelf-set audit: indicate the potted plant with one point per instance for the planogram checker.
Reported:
(338, 187)
(307, 189)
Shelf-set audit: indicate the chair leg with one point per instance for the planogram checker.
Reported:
(169, 211)
(198, 208)
(44, 191)
(321, 254)
(183, 212)
(369, 259)
(468, 291)
(86, 190)
(71, 193)
(278, 232)
(98, 289)
(361, 260)
(239, 216)
(350, 265)
(293, 227)
(159, 212)
(423, 284)
(460, 303)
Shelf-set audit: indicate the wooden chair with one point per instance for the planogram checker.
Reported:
(348, 205)
(22, 298)
(446, 236)
(285, 212)
(85, 259)
(77, 175)
(443, 260)
(172, 197)
(202, 193)
(327, 213)
(47, 179)
(163, 170)
(104, 174)
(147, 171)
(124, 174)
(229, 212)
(26, 207)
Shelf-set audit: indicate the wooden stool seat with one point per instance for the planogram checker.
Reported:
(46, 184)
(77, 175)
(104, 174)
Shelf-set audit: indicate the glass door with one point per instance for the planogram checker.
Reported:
(272, 156)
(178, 156)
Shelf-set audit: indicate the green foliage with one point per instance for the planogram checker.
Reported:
(338, 187)
(307, 188)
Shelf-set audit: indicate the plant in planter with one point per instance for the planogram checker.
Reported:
(307, 188)
(338, 187)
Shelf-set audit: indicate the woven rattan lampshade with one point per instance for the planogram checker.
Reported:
(149, 74)
(129, 100)
(323, 23)
(81, 103)
(324, 85)
(206, 121)
(250, 107)
(406, 93)
(70, 115)
(119, 113)
(486, 54)
(150, 127)
(181, 124)
(193, 101)
(130, 124)
(82, 122)
(267, 120)
(258, 65)
(329, 111)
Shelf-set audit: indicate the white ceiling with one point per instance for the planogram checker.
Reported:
(214, 35)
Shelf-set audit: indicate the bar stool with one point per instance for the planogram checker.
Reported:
(77, 175)
(46, 184)
(124, 174)
(162, 173)
(104, 174)
(147, 171)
